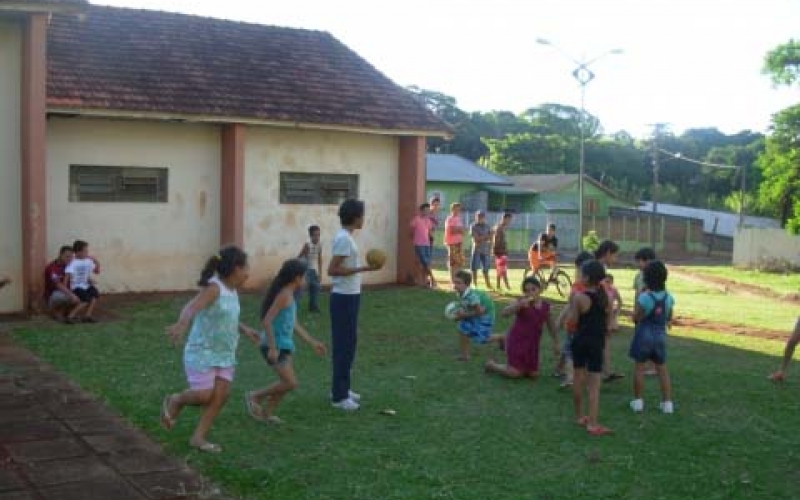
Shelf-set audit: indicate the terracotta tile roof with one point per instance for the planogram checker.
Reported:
(142, 61)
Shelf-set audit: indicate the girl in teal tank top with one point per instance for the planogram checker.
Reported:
(210, 353)
(279, 319)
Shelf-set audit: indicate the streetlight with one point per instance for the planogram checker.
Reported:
(583, 75)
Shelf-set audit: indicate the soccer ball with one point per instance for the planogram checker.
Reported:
(376, 258)
(452, 309)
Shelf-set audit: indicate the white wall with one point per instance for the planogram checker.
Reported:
(141, 246)
(753, 247)
(11, 297)
(275, 232)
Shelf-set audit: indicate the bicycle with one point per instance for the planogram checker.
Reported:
(557, 277)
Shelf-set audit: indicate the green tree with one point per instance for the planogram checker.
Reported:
(782, 63)
(780, 164)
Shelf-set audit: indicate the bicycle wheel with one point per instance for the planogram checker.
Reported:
(563, 283)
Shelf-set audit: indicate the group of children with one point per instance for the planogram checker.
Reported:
(213, 320)
(69, 289)
(589, 320)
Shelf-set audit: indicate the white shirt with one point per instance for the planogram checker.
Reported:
(313, 255)
(79, 271)
(345, 246)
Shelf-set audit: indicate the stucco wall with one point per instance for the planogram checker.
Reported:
(141, 246)
(11, 297)
(765, 247)
(274, 232)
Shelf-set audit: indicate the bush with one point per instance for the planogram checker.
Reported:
(591, 241)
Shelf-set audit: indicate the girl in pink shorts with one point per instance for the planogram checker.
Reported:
(209, 357)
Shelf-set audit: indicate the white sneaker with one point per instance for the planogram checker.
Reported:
(666, 406)
(637, 405)
(346, 405)
(354, 396)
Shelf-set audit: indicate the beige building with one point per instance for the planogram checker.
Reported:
(158, 137)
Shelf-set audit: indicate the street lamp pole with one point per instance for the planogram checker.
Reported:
(583, 75)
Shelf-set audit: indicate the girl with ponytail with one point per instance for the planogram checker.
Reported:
(209, 357)
(279, 319)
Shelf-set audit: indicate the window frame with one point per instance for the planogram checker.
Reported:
(316, 188)
(89, 183)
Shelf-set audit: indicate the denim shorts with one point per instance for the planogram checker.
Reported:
(283, 355)
(423, 254)
(477, 328)
(479, 258)
(649, 343)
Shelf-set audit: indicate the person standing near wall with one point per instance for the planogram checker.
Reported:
(453, 239)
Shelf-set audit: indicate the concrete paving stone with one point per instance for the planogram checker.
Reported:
(54, 397)
(35, 451)
(93, 426)
(111, 488)
(10, 479)
(121, 441)
(18, 398)
(30, 414)
(18, 495)
(18, 432)
(140, 461)
(82, 409)
(68, 470)
(173, 485)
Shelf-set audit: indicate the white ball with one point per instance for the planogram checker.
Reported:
(452, 309)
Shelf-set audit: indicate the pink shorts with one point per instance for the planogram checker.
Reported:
(201, 381)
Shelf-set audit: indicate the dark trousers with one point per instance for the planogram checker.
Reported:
(312, 280)
(344, 337)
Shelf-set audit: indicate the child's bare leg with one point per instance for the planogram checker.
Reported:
(219, 395)
(664, 382)
(492, 366)
(487, 280)
(638, 380)
(274, 393)
(593, 389)
(463, 346)
(788, 351)
(189, 397)
(90, 309)
(579, 381)
(77, 310)
(429, 274)
(505, 279)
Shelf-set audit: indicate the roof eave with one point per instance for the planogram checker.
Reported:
(211, 119)
(43, 7)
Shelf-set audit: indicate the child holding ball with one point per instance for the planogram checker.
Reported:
(476, 317)
(531, 314)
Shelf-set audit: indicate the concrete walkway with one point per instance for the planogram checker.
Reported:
(59, 443)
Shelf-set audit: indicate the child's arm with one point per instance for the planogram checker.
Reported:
(551, 328)
(319, 263)
(202, 300)
(315, 344)
(515, 306)
(472, 311)
(336, 267)
(618, 298)
(249, 333)
(281, 302)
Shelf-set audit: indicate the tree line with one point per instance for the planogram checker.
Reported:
(546, 140)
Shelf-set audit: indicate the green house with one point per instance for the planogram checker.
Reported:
(456, 179)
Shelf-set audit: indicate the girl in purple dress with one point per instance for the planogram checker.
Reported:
(531, 314)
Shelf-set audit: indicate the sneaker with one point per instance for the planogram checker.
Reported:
(346, 405)
(566, 383)
(637, 405)
(354, 396)
(666, 406)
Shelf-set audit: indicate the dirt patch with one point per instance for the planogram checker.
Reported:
(729, 328)
(733, 286)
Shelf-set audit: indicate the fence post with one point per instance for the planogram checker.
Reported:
(624, 234)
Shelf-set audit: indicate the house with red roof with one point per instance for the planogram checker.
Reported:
(158, 137)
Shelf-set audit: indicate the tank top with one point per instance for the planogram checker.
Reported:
(658, 315)
(592, 323)
(215, 332)
(283, 328)
(313, 255)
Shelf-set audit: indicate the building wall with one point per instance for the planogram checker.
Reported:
(449, 192)
(766, 248)
(274, 232)
(11, 297)
(141, 246)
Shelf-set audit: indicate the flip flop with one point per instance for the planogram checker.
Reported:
(167, 421)
(582, 421)
(599, 430)
(207, 447)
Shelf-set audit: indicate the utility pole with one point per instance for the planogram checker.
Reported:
(657, 129)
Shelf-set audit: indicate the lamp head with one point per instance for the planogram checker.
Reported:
(543, 41)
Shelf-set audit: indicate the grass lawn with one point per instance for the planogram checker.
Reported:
(783, 283)
(457, 434)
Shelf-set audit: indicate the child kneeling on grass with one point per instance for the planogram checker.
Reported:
(279, 318)
(476, 317)
(588, 309)
(531, 314)
(652, 314)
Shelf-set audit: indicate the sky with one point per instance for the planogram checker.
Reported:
(686, 63)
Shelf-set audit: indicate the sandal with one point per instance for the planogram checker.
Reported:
(777, 377)
(613, 376)
(206, 447)
(253, 408)
(167, 420)
(582, 421)
(598, 430)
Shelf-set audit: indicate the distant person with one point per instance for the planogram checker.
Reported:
(60, 300)
(481, 235)
(642, 257)
(652, 314)
(436, 204)
(500, 249)
(209, 357)
(311, 254)
(420, 229)
(544, 251)
(588, 309)
(531, 315)
(788, 352)
(79, 275)
(453, 239)
(279, 320)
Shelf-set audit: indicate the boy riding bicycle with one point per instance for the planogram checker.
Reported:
(543, 251)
